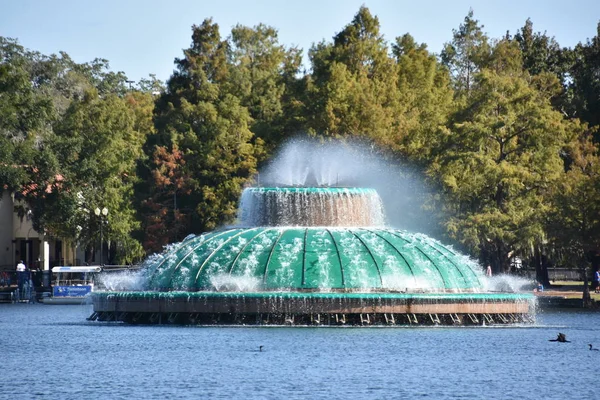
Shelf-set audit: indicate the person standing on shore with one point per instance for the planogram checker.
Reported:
(21, 274)
(597, 281)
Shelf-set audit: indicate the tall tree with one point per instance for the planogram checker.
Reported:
(98, 146)
(164, 221)
(26, 115)
(543, 56)
(211, 129)
(262, 74)
(585, 85)
(425, 98)
(541, 53)
(497, 166)
(353, 87)
(574, 223)
(466, 54)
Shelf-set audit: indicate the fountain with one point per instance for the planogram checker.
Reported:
(313, 256)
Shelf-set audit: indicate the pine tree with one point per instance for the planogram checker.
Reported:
(466, 54)
(210, 127)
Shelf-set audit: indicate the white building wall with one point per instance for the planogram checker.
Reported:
(14, 230)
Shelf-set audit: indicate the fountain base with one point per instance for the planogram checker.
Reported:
(283, 308)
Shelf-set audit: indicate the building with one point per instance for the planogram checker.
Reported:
(19, 241)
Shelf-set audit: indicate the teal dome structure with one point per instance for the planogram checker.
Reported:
(314, 259)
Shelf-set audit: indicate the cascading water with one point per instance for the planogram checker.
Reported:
(311, 207)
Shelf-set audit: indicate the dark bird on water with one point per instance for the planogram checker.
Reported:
(560, 338)
(260, 348)
(592, 348)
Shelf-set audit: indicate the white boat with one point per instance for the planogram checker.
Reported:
(72, 285)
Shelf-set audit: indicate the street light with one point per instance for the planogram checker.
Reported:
(103, 212)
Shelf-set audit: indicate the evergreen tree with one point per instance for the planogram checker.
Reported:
(497, 166)
(209, 126)
(425, 99)
(586, 82)
(466, 54)
(543, 58)
(262, 74)
(574, 223)
(353, 87)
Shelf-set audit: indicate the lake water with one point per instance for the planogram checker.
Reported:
(52, 352)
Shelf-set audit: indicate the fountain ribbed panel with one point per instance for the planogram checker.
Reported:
(252, 262)
(279, 258)
(219, 262)
(187, 269)
(360, 270)
(322, 265)
(425, 272)
(466, 266)
(394, 268)
(285, 266)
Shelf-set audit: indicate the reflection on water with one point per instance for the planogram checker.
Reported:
(52, 352)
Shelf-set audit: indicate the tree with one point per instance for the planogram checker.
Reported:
(165, 222)
(151, 85)
(466, 54)
(425, 98)
(65, 132)
(25, 115)
(586, 82)
(262, 74)
(353, 87)
(210, 127)
(574, 223)
(499, 161)
(542, 55)
(98, 146)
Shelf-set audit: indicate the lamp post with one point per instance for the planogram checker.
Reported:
(101, 213)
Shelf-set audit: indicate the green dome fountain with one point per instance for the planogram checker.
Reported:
(312, 256)
(312, 259)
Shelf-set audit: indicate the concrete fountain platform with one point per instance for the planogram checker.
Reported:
(279, 308)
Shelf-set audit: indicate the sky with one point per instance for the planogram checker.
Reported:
(142, 37)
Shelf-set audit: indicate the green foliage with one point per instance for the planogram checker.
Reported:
(425, 99)
(99, 146)
(25, 115)
(198, 117)
(585, 86)
(543, 58)
(498, 164)
(466, 54)
(574, 223)
(262, 75)
(352, 90)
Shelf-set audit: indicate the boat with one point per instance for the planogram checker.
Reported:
(72, 285)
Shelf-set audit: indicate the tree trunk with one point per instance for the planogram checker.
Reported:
(541, 268)
(587, 299)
